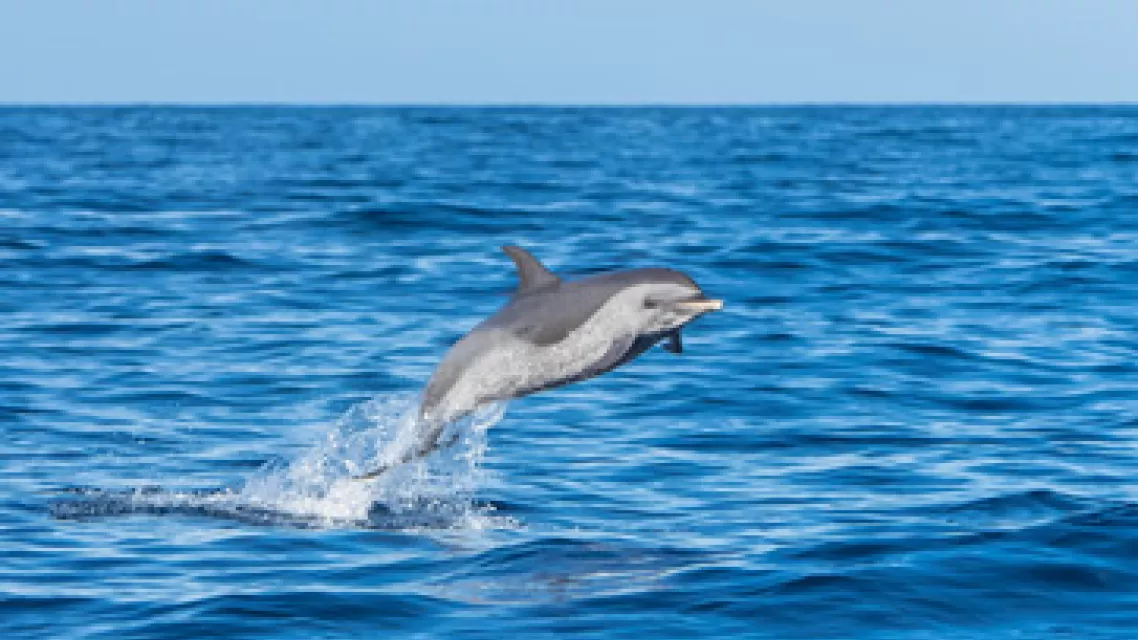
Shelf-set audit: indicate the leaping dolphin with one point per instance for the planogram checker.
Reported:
(551, 333)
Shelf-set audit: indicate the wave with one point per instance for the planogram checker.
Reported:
(209, 260)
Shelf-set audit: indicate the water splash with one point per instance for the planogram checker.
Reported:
(317, 487)
(320, 481)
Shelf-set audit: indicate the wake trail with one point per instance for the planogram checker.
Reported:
(318, 486)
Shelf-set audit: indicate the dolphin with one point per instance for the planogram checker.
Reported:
(551, 333)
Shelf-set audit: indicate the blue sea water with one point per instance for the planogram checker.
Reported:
(917, 416)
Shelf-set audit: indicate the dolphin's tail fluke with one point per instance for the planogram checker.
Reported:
(420, 453)
(384, 468)
(371, 475)
(428, 442)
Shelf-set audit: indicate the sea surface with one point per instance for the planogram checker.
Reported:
(916, 418)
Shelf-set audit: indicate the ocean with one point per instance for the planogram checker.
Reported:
(916, 417)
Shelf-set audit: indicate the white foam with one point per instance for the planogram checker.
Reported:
(318, 483)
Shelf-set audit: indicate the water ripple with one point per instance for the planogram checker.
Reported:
(915, 417)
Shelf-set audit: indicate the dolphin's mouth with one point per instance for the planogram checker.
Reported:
(698, 305)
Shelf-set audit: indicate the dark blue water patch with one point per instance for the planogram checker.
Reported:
(195, 261)
(85, 503)
(913, 420)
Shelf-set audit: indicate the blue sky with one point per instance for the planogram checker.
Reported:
(568, 51)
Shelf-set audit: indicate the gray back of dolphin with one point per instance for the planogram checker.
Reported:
(543, 311)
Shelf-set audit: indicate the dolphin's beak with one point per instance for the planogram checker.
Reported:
(699, 305)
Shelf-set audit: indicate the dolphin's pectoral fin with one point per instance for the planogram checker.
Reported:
(674, 343)
(616, 355)
(532, 275)
(621, 350)
(613, 357)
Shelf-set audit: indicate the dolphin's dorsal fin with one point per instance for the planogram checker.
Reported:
(532, 275)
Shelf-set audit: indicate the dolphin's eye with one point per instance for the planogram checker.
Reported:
(649, 303)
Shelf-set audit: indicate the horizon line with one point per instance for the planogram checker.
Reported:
(564, 105)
